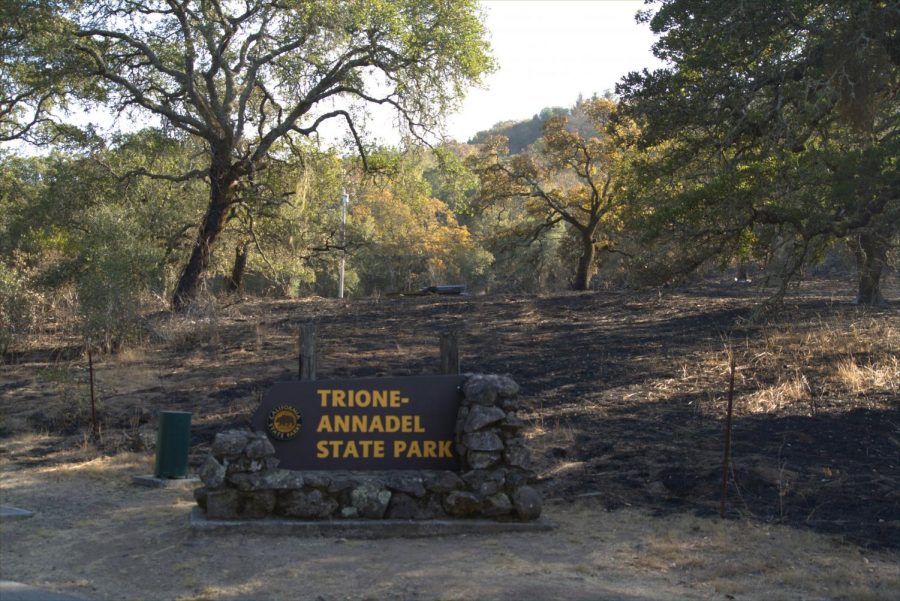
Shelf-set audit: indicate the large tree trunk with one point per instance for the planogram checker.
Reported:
(220, 199)
(585, 264)
(241, 253)
(871, 258)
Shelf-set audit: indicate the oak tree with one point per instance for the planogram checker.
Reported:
(242, 76)
(777, 125)
(571, 176)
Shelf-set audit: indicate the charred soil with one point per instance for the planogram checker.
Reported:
(626, 391)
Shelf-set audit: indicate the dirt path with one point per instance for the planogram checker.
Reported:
(97, 536)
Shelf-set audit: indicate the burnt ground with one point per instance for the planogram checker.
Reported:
(626, 391)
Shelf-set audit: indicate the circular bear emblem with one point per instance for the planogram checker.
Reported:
(284, 422)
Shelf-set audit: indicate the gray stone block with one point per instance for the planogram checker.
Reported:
(317, 479)
(512, 424)
(462, 504)
(229, 443)
(222, 504)
(370, 500)
(412, 485)
(260, 448)
(443, 482)
(480, 390)
(278, 479)
(246, 481)
(200, 496)
(497, 505)
(480, 460)
(481, 417)
(527, 503)
(302, 504)
(518, 477)
(506, 386)
(258, 504)
(212, 473)
(402, 507)
(483, 441)
(359, 529)
(485, 482)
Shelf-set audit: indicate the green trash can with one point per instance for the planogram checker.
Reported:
(172, 444)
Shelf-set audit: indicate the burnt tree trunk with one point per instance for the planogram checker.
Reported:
(585, 263)
(871, 258)
(241, 254)
(221, 196)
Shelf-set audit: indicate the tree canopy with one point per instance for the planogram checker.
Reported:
(572, 177)
(247, 78)
(779, 125)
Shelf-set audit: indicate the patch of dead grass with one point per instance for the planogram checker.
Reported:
(872, 376)
(793, 389)
(840, 361)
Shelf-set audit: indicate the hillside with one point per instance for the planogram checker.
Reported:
(626, 390)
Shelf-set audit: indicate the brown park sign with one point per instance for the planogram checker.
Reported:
(363, 424)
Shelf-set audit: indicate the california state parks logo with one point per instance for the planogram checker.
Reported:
(284, 422)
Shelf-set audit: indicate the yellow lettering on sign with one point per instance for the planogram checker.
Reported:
(391, 423)
(399, 447)
(350, 449)
(419, 449)
(341, 423)
(380, 399)
(371, 423)
(324, 425)
(375, 424)
(414, 449)
(359, 423)
(362, 398)
(322, 449)
(430, 448)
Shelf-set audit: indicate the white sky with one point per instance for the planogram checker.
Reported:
(549, 51)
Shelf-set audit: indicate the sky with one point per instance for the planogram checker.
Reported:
(549, 51)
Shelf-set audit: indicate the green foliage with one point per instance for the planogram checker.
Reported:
(403, 239)
(248, 78)
(521, 134)
(773, 130)
(83, 226)
(17, 303)
(115, 269)
(577, 175)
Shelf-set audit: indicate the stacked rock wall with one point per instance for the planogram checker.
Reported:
(242, 478)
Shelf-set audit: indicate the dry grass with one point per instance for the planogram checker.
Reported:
(794, 389)
(107, 538)
(860, 379)
(839, 362)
